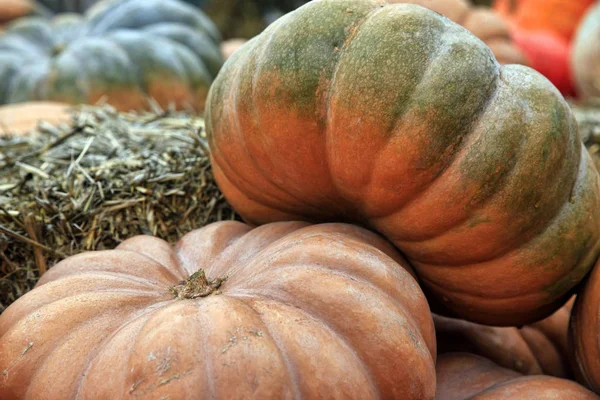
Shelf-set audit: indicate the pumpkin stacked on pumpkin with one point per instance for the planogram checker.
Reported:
(391, 117)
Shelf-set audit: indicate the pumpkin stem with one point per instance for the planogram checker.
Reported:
(56, 50)
(197, 285)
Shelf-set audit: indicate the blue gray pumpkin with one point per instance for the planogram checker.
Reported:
(123, 51)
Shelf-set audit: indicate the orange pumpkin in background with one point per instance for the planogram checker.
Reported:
(13, 9)
(462, 376)
(484, 23)
(550, 55)
(539, 348)
(559, 16)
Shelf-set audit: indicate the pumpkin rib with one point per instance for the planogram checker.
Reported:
(543, 228)
(324, 324)
(291, 370)
(346, 276)
(103, 347)
(147, 313)
(60, 340)
(459, 155)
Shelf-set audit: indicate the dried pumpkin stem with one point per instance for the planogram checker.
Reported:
(197, 285)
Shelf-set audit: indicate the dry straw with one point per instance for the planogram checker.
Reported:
(91, 184)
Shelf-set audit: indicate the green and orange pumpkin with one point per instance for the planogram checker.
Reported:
(396, 118)
(282, 311)
(120, 51)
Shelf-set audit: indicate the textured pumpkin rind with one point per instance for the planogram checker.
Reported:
(585, 58)
(465, 376)
(305, 310)
(395, 118)
(168, 51)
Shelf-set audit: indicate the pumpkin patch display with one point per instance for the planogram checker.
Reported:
(285, 310)
(482, 22)
(120, 51)
(462, 376)
(586, 54)
(561, 17)
(536, 349)
(395, 118)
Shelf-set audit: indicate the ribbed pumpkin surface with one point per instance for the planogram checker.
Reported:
(396, 118)
(468, 377)
(122, 51)
(306, 311)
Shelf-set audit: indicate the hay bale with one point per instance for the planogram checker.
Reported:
(93, 183)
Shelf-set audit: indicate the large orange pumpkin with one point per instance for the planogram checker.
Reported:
(13, 9)
(585, 60)
(482, 22)
(585, 332)
(304, 310)
(539, 348)
(393, 117)
(558, 16)
(462, 376)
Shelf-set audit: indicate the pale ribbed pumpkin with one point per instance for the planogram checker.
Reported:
(585, 60)
(304, 311)
(122, 51)
(394, 117)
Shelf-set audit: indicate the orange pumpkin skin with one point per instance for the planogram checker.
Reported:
(305, 310)
(584, 332)
(540, 348)
(398, 119)
(462, 376)
(482, 22)
(585, 60)
(558, 16)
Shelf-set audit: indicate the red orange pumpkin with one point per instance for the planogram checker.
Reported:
(557, 16)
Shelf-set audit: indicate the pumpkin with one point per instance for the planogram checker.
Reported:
(584, 332)
(121, 51)
(550, 55)
(395, 118)
(539, 348)
(71, 6)
(23, 118)
(586, 54)
(482, 22)
(558, 16)
(462, 376)
(284, 310)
